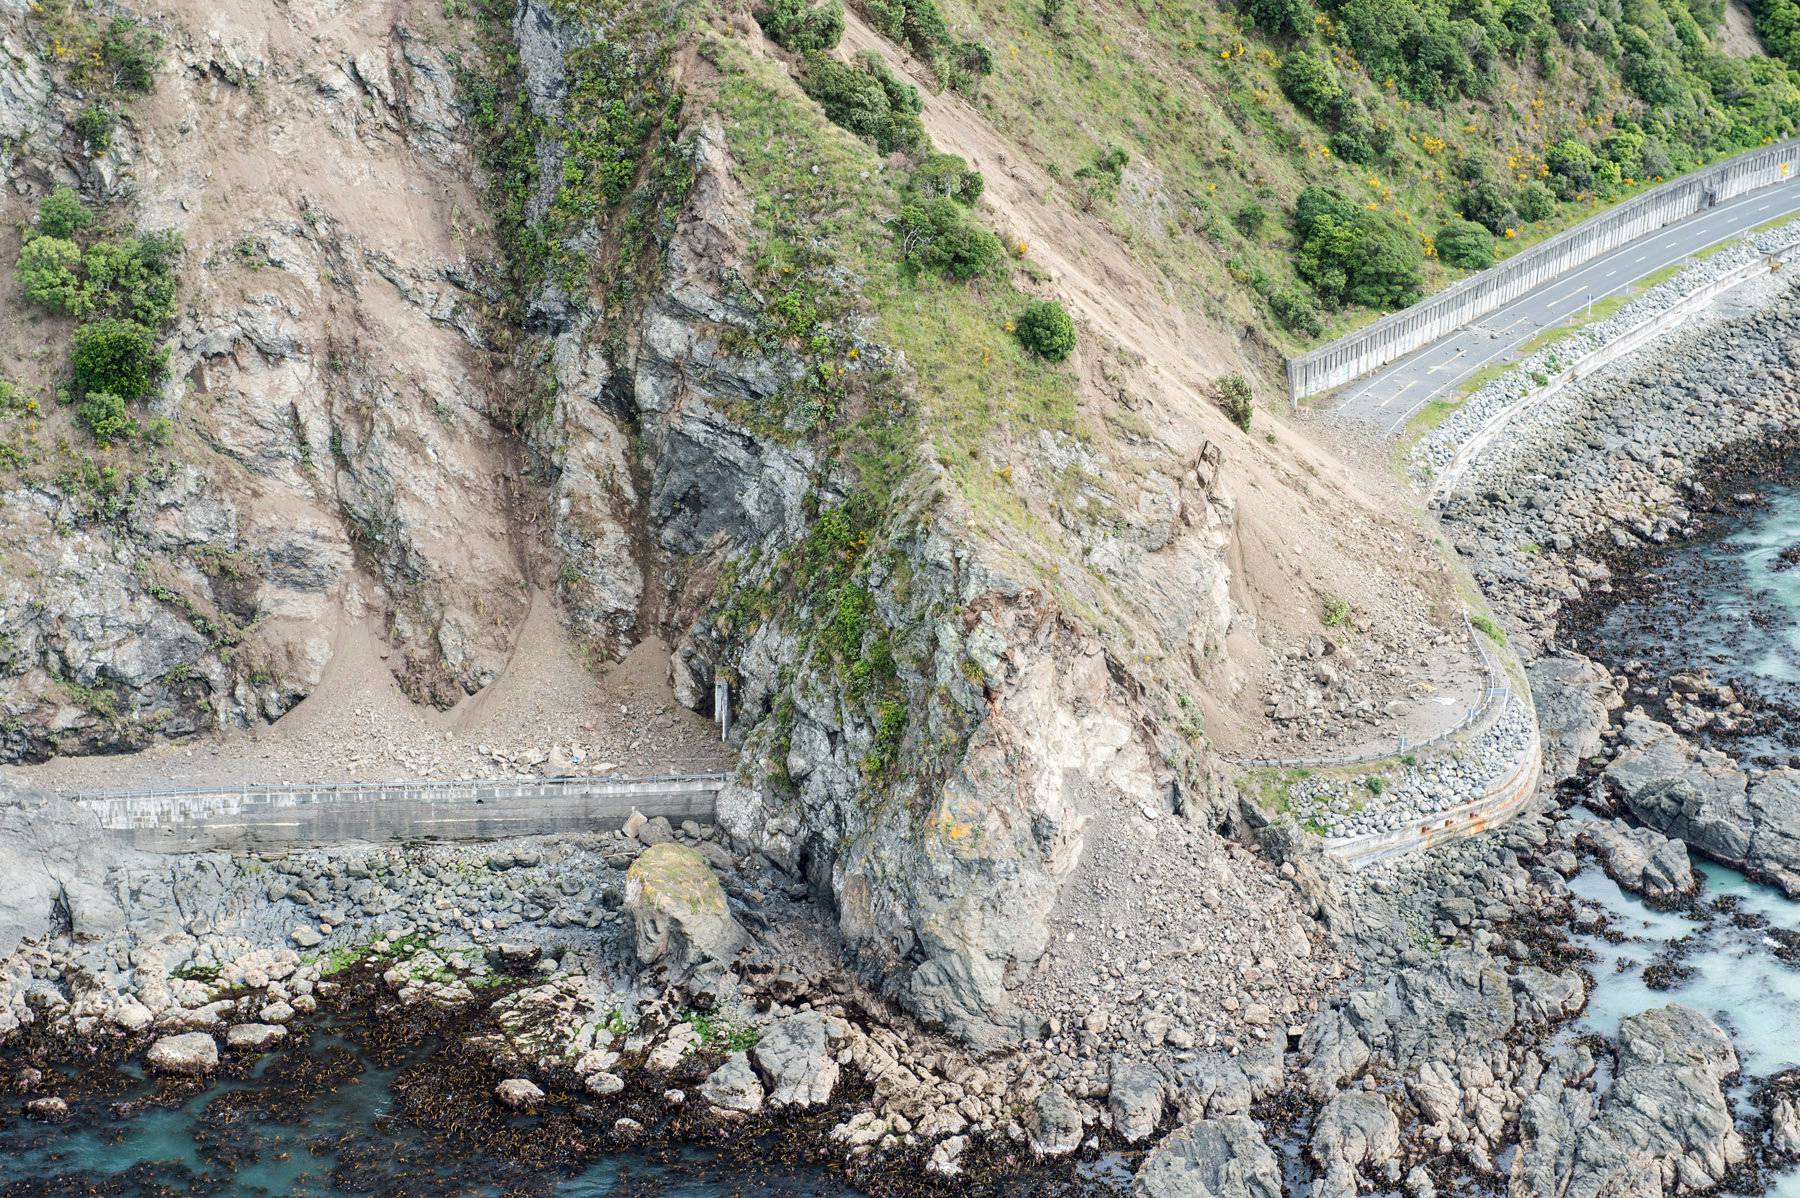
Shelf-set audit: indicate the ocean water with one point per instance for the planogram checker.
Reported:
(1730, 604)
(286, 1131)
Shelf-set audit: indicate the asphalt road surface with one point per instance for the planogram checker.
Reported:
(1389, 397)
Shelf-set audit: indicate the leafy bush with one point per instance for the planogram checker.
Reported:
(1250, 219)
(945, 176)
(94, 125)
(49, 273)
(1418, 45)
(1534, 201)
(939, 235)
(1466, 244)
(1311, 84)
(116, 356)
(1350, 253)
(1104, 174)
(1046, 330)
(62, 214)
(1235, 398)
(1573, 167)
(867, 99)
(1284, 18)
(914, 23)
(801, 25)
(1484, 202)
(1359, 138)
(132, 51)
(104, 415)
(1295, 309)
(132, 277)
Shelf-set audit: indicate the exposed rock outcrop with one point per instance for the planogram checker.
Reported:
(1701, 797)
(54, 858)
(1218, 1158)
(1641, 860)
(1663, 1128)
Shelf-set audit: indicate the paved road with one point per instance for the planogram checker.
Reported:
(1389, 397)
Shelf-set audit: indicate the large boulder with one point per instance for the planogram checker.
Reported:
(1702, 798)
(54, 857)
(680, 911)
(1056, 1124)
(795, 1059)
(191, 1054)
(1573, 697)
(1356, 1130)
(734, 1086)
(1211, 1158)
(1663, 1128)
(1137, 1097)
(1642, 860)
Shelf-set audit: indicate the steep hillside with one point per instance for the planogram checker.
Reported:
(359, 334)
(1519, 116)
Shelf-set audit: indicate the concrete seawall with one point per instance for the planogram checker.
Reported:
(258, 817)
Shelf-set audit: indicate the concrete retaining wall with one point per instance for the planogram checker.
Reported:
(257, 817)
(1500, 802)
(1400, 333)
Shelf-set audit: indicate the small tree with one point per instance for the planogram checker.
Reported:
(1046, 330)
(1466, 244)
(116, 356)
(132, 52)
(1236, 399)
(62, 214)
(95, 125)
(801, 26)
(1311, 84)
(945, 176)
(49, 273)
(1534, 201)
(939, 235)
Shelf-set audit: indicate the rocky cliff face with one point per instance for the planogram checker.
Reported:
(463, 356)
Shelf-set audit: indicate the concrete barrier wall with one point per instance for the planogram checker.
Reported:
(257, 817)
(1502, 800)
(1400, 333)
(1626, 343)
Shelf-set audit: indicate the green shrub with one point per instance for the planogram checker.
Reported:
(94, 125)
(133, 277)
(867, 99)
(104, 415)
(1104, 174)
(1235, 398)
(1284, 18)
(1484, 202)
(1050, 14)
(802, 25)
(945, 176)
(1348, 253)
(1534, 201)
(49, 273)
(1465, 244)
(132, 52)
(1573, 168)
(939, 235)
(1359, 137)
(1295, 309)
(1046, 330)
(62, 214)
(116, 356)
(1311, 84)
(1250, 219)
(914, 23)
(1334, 611)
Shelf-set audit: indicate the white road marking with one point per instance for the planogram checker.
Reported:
(1396, 395)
